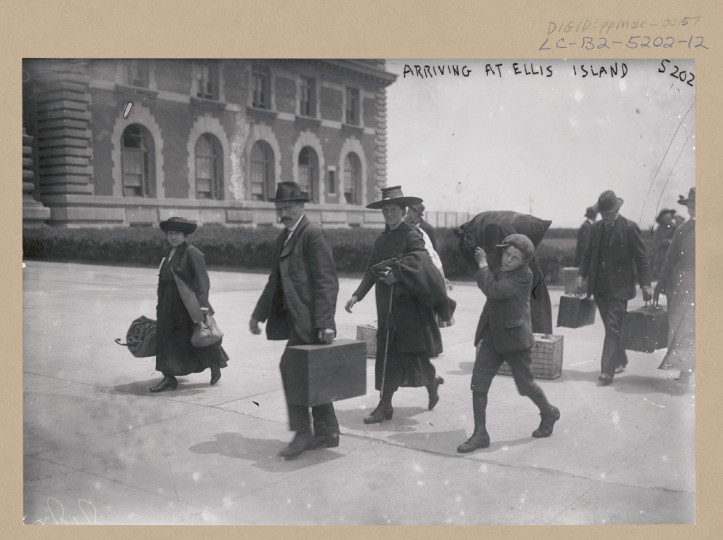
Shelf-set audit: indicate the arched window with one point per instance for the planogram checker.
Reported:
(209, 168)
(352, 179)
(262, 171)
(309, 173)
(137, 162)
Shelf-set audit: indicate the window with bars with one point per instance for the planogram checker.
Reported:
(262, 171)
(208, 81)
(261, 87)
(307, 100)
(137, 164)
(309, 172)
(352, 179)
(209, 168)
(352, 106)
(138, 73)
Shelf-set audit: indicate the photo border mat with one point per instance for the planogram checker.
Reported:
(344, 29)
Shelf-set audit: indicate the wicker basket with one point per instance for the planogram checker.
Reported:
(546, 357)
(368, 333)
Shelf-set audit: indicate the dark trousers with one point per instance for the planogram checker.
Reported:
(488, 362)
(323, 415)
(612, 310)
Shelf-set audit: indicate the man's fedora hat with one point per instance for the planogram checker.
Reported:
(394, 195)
(178, 224)
(419, 208)
(664, 211)
(289, 192)
(591, 212)
(691, 197)
(607, 202)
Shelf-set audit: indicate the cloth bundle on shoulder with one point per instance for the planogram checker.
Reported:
(141, 337)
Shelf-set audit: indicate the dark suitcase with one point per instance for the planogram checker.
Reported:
(645, 329)
(326, 373)
(575, 311)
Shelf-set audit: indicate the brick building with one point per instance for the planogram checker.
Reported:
(132, 142)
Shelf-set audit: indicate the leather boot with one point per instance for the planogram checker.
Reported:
(326, 435)
(383, 412)
(215, 373)
(547, 422)
(433, 391)
(302, 441)
(479, 439)
(169, 381)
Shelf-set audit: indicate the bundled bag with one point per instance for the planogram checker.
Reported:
(206, 332)
(141, 337)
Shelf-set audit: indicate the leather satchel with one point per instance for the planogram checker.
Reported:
(206, 332)
(141, 337)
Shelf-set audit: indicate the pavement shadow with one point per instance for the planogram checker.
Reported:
(401, 421)
(635, 384)
(142, 388)
(446, 442)
(263, 453)
(465, 368)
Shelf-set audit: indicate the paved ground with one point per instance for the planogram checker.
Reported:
(99, 448)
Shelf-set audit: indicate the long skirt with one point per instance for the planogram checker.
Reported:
(681, 324)
(176, 355)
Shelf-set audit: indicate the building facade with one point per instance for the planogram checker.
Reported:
(132, 142)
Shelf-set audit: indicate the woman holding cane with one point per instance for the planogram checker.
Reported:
(409, 292)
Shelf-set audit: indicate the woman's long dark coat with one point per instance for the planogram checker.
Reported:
(176, 355)
(414, 335)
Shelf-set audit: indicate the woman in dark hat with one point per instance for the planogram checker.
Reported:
(183, 287)
(677, 282)
(409, 293)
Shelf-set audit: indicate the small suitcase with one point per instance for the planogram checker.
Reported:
(326, 373)
(575, 311)
(645, 329)
(546, 357)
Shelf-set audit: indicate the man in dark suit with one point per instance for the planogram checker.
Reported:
(616, 252)
(299, 302)
(583, 234)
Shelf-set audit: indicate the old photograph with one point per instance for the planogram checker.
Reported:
(270, 291)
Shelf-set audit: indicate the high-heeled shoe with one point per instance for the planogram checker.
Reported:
(169, 381)
(381, 413)
(215, 374)
(432, 389)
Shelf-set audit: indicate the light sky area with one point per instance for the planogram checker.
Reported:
(543, 145)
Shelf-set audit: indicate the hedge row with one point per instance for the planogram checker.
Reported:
(251, 248)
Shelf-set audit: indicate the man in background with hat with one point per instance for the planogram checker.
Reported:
(415, 216)
(615, 254)
(299, 302)
(583, 234)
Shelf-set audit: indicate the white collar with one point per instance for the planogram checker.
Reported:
(293, 227)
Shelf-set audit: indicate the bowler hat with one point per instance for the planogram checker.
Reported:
(289, 192)
(394, 195)
(607, 202)
(691, 197)
(521, 242)
(419, 208)
(178, 224)
(664, 211)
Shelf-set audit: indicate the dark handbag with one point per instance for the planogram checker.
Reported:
(575, 311)
(206, 332)
(141, 337)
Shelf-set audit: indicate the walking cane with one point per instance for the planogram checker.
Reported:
(386, 342)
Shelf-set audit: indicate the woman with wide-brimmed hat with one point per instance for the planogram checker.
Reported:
(677, 282)
(182, 277)
(410, 292)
